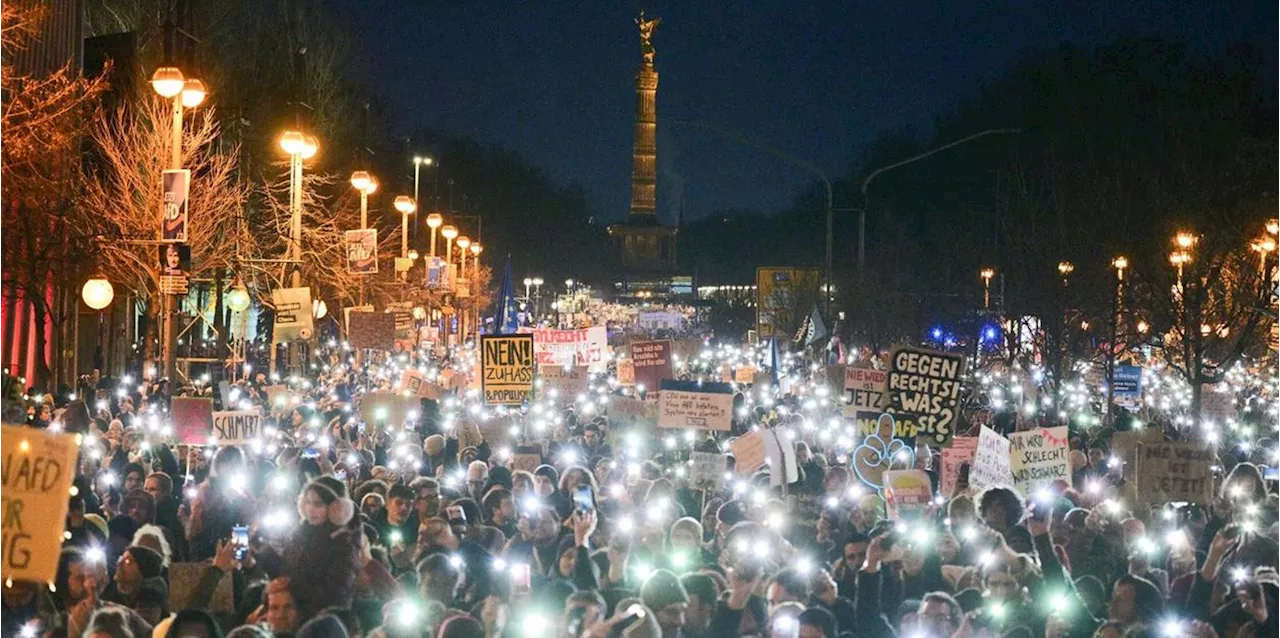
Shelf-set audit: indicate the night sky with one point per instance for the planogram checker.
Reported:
(554, 81)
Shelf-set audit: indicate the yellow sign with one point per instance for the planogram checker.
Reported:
(506, 367)
(38, 470)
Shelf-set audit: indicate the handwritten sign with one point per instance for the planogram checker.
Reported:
(38, 469)
(865, 390)
(1039, 457)
(1175, 472)
(745, 375)
(526, 462)
(1124, 445)
(924, 392)
(1217, 408)
(566, 382)
(706, 406)
(706, 471)
(991, 461)
(234, 427)
(584, 346)
(961, 451)
(192, 419)
(748, 453)
(506, 367)
(652, 362)
(416, 384)
(626, 372)
(907, 493)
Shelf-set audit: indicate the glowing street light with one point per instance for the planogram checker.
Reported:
(406, 205)
(449, 233)
(986, 274)
(299, 147)
(464, 243)
(366, 185)
(434, 221)
(97, 292)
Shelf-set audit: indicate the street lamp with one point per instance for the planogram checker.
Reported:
(1120, 263)
(986, 274)
(418, 162)
(527, 282)
(464, 243)
(299, 147)
(406, 205)
(434, 220)
(1184, 240)
(97, 292)
(449, 233)
(1065, 268)
(366, 185)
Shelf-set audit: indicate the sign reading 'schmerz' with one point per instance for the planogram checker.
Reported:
(924, 392)
(506, 368)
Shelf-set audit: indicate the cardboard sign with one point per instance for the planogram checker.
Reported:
(626, 372)
(1124, 445)
(585, 347)
(1218, 408)
(744, 375)
(865, 390)
(706, 471)
(362, 251)
(652, 362)
(234, 427)
(416, 384)
(38, 469)
(192, 419)
(706, 406)
(387, 409)
(1175, 472)
(1039, 457)
(907, 493)
(372, 330)
(525, 462)
(469, 435)
(961, 451)
(924, 392)
(506, 366)
(633, 411)
(176, 191)
(991, 461)
(184, 578)
(567, 383)
(748, 453)
(293, 314)
(659, 320)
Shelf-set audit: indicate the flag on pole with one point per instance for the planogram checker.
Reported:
(817, 329)
(506, 321)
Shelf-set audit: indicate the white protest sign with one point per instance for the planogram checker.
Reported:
(961, 451)
(865, 390)
(567, 382)
(234, 427)
(990, 461)
(780, 449)
(748, 453)
(707, 406)
(706, 471)
(1039, 457)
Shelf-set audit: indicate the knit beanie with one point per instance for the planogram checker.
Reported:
(661, 589)
(150, 563)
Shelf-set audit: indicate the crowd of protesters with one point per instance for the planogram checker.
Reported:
(331, 526)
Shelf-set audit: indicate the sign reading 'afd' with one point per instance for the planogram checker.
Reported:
(506, 367)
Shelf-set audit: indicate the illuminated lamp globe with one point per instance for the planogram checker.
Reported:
(168, 81)
(463, 242)
(434, 220)
(310, 146)
(449, 232)
(238, 299)
(292, 142)
(405, 204)
(413, 255)
(360, 180)
(476, 249)
(319, 309)
(193, 93)
(373, 186)
(97, 293)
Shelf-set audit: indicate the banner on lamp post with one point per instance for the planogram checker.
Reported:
(362, 251)
(177, 191)
(293, 314)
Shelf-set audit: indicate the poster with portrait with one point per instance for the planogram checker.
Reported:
(177, 190)
(175, 268)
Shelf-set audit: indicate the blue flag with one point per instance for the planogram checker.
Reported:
(774, 360)
(506, 321)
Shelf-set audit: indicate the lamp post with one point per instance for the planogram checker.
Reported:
(1120, 263)
(464, 243)
(366, 185)
(406, 206)
(1065, 268)
(476, 249)
(986, 274)
(238, 301)
(418, 162)
(299, 147)
(537, 295)
(527, 283)
(434, 221)
(183, 92)
(449, 233)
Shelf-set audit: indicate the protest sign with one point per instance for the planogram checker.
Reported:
(192, 419)
(991, 461)
(362, 251)
(1175, 472)
(506, 366)
(388, 408)
(659, 320)
(652, 362)
(372, 330)
(1039, 457)
(1124, 446)
(469, 435)
(871, 423)
(416, 384)
(744, 375)
(184, 579)
(780, 449)
(525, 461)
(865, 390)
(689, 404)
(38, 469)
(907, 493)
(924, 392)
(633, 411)
(626, 372)
(569, 382)
(584, 346)
(293, 320)
(748, 453)
(1127, 382)
(961, 451)
(233, 427)
(706, 471)
(1217, 408)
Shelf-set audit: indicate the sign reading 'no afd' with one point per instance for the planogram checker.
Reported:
(924, 392)
(506, 369)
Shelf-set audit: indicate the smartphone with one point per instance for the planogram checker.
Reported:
(521, 580)
(240, 538)
(310, 453)
(583, 500)
(633, 613)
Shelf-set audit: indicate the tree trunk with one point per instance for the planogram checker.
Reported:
(218, 319)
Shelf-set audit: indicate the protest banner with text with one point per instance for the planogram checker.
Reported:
(192, 419)
(961, 451)
(689, 404)
(1039, 457)
(1175, 472)
(506, 367)
(233, 427)
(865, 390)
(39, 467)
(924, 392)
(582, 347)
(567, 382)
(990, 466)
(652, 363)
(907, 493)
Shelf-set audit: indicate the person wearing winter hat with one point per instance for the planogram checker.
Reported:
(136, 564)
(664, 594)
(460, 626)
(323, 556)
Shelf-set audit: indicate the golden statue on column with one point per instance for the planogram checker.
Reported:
(646, 36)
